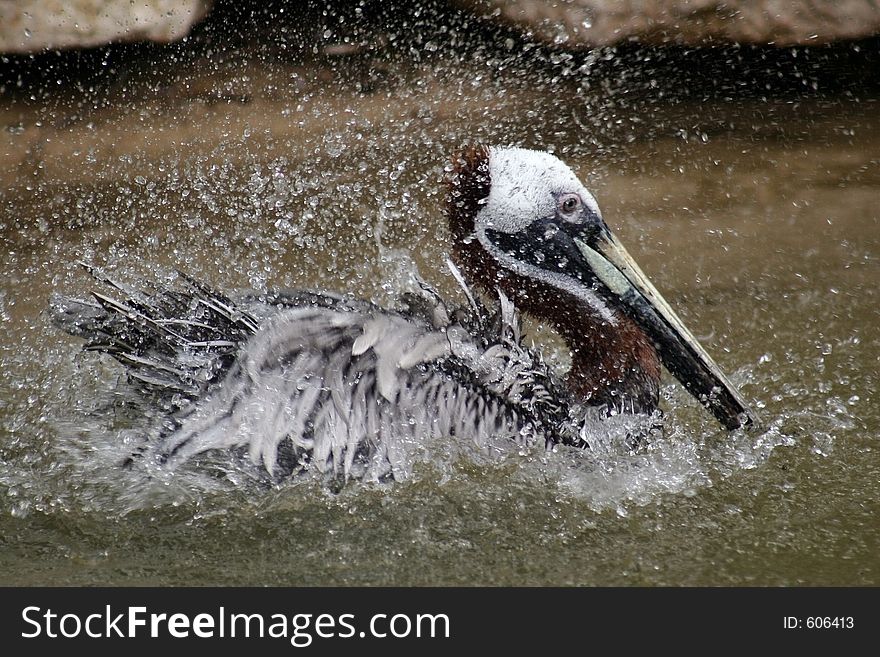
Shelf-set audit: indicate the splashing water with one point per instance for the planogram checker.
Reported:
(756, 219)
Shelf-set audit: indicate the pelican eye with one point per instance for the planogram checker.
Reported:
(569, 203)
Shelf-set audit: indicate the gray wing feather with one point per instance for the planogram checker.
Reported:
(359, 414)
(300, 379)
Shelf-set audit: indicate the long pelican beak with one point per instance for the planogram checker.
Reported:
(678, 349)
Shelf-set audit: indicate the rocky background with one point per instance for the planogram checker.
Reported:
(592, 23)
(32, 26)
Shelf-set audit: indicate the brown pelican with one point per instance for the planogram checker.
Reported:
(312, 381)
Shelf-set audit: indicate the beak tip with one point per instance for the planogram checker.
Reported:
(751, 421)
(731, 410)
(745, 419)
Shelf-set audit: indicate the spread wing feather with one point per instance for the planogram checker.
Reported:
(299, 379)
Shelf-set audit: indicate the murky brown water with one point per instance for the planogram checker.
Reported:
(757, 218)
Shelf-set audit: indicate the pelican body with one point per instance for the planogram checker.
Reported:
(305, 381)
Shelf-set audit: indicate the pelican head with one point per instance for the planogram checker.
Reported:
(522, 222)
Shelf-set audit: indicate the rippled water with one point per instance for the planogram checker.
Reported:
(757, 219)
